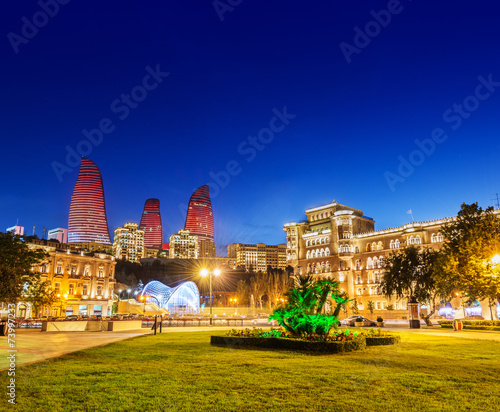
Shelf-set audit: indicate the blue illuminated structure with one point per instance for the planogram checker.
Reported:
(182, 299)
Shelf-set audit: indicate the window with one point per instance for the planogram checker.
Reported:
(327, 252)
(101, 272)
(71, 289)
(417, 240)
(73, 269)
(99, 290)
(369, 263)
(391, 245)
(377, 305)
(43, 269)
(380, 246)
(308, 255)
(59, 269)
(396, 244)
(85, 289)
(358, 264)
(396, 305)
(368, 248)
(374, 246)
(57, 287)
(439, 237)
(86, 271)
(359, 291)
(328, 267)
(341, 277)
(376, 277)
(433, 238)
(358, 279)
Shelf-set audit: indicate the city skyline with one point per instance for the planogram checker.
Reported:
(356, 102)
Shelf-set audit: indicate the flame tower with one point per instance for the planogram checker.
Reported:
(151, 223)
(199, 218)
(87, 212)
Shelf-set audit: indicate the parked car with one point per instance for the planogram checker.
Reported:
(72, 317)
(264, 321)
(366, 322)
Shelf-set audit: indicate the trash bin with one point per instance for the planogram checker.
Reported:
(3, 328)
(458, 325)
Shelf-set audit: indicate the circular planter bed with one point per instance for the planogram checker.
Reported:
(382, 340)
(290, 344)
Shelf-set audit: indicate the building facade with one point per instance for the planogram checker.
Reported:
(340, 243)
(151, 224)
(129, 242)
(59, 234)
(17, 230)
(83, 282)
(183, 245)
(259, 256)
(207, 249)
(87, 212)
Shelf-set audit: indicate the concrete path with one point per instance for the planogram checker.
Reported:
(35, 346)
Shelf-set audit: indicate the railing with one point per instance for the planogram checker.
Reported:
(195, 322)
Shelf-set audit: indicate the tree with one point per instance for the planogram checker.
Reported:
(258, 287)
(243, 293)
(465, 263)
(354, 307)
(39, 293)
(408, 274)
(277, 281)
(371, 306)
(303, 313)
(17, 267)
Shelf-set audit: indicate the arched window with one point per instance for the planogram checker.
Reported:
(412, 240)
(375, 262)
(356, 250)
(309, 268)
(359, 291)
(439, 237)
(396, 243)
(327, 252)
(328, 268)
(433, 238)
(380, 262)
(380, 246)
(369, 263)
(323, 267)
(417, 240)
(322, 252)
(294, 256)
(392, 244)
(368, 247)
(376, 277)
(358, 279)
(308, 255)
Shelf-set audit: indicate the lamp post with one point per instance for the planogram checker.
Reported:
(204, 273)
(128, 293)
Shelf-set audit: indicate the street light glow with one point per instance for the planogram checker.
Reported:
(495, 259)
(217, 272)
(204, 272)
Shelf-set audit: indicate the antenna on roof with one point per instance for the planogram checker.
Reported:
(497, 201)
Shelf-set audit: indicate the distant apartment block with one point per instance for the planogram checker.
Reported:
(129, 242)
(59, 234)
(17, 230)
(258, 257)
(183, 245)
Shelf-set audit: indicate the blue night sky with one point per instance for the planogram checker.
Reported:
(433, 70)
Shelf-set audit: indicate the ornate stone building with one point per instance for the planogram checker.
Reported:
(339, 242)
(83, 281)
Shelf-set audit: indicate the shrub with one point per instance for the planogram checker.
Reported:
(380, 319)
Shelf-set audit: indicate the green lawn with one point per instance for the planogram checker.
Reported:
(182, 372)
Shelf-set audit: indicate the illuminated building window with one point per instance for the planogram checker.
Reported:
(71, 290)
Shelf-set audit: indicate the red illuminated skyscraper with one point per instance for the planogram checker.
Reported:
(199, 218)
(87, 212)
(151, 223)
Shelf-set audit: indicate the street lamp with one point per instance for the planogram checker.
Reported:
(204, 273)
(119, 294)
(128, 293)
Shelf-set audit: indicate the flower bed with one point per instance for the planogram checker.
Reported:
(290, 344)
(335, 342)
(473, 324)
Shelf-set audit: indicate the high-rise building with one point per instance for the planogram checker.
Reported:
(151, 224)
(183, 245)
(87, 212)
(59, 234)
(17, 230)
(258, 256)
(129, 242)
(199, 218)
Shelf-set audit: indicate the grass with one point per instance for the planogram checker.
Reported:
(182, 372)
